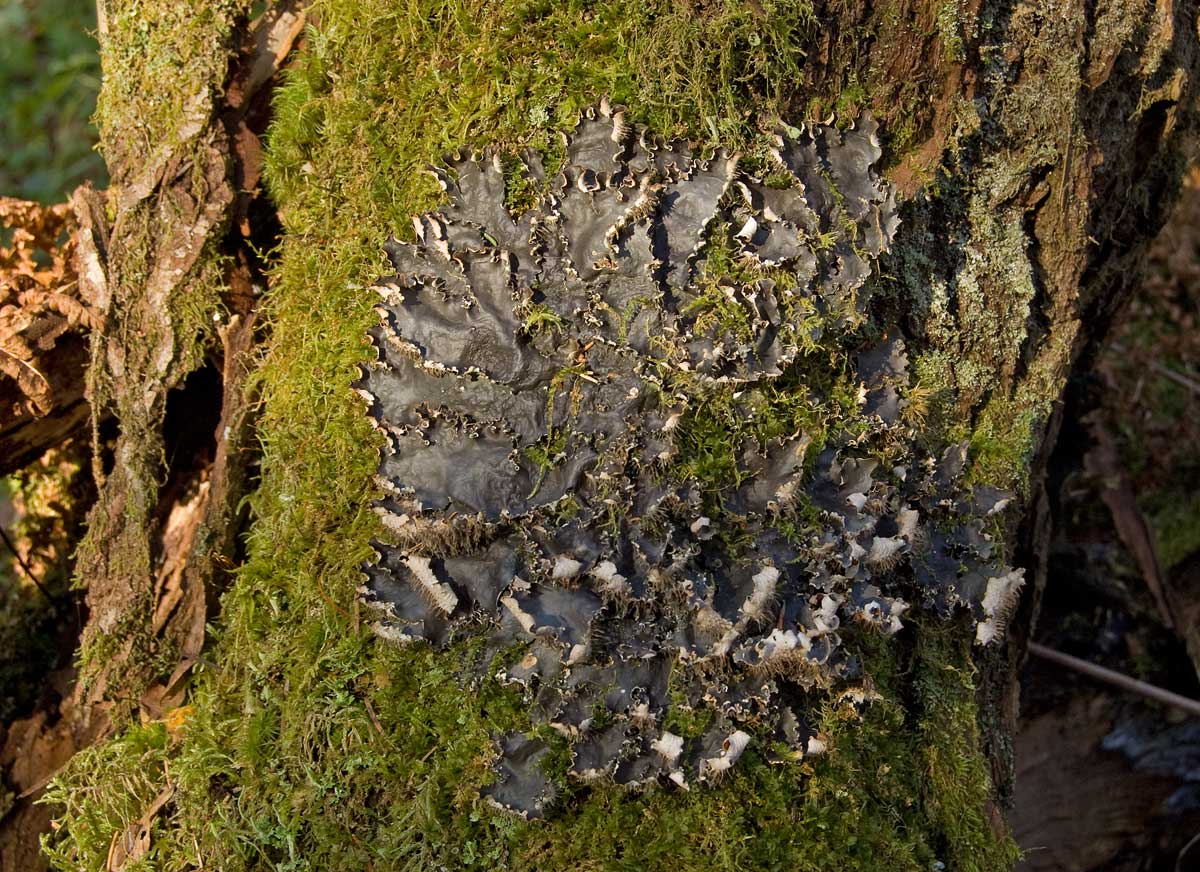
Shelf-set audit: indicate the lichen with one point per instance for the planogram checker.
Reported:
(489, 425)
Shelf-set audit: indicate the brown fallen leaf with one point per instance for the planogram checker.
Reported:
(1104, 463)
(45, 318)
(133, 843)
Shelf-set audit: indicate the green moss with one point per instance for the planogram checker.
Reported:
(161, 64)
(1175, 519)
(1003, 441)
(682, 719)
(956, 792)
(518, 74)
(950, 31)
(541, 318)
(98, 808)
(547, 452)
(313, 745)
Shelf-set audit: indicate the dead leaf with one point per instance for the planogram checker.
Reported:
(133, 843)
(1104, 463)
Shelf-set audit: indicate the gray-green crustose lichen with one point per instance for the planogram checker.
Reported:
(533, 372)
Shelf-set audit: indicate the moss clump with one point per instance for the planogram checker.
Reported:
(956, 777)
(314, 745)
(98, 808)
(147, 105)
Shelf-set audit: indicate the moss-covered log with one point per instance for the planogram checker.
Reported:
(1032, 149)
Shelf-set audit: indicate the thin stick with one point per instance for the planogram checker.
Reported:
(1185, 851)
(21, 560)
(1164, 370)
(1117, 679)
(1177, 377)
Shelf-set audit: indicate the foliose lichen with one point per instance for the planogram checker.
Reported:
(532, 374)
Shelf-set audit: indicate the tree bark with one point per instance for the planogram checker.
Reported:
(1035, 150)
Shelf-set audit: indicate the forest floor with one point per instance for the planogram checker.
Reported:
(1106, 781)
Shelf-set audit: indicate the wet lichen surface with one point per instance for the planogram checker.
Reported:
(539, 376)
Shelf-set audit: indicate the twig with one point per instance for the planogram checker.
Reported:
(8, 543)
(1117, 679)
(1179, 867)
(1162, 369)
(1179, 378)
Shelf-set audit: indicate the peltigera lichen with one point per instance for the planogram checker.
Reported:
(492, 426)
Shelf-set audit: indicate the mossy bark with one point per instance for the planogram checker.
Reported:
(1036, 149)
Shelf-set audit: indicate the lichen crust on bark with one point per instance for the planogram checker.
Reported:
(535, 377)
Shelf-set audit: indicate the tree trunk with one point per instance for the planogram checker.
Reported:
(1032, 152)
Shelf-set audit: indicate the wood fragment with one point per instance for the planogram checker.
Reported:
(1117, 679)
